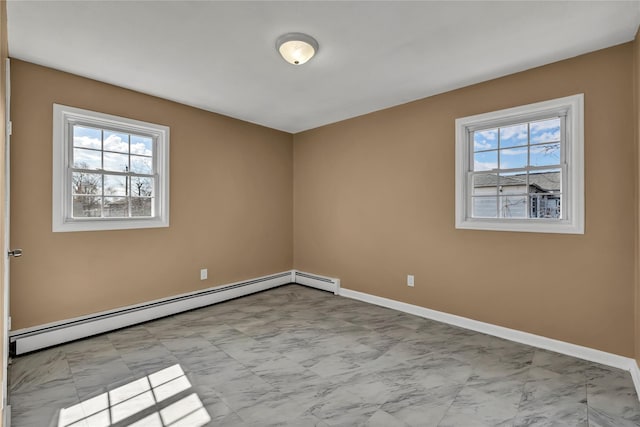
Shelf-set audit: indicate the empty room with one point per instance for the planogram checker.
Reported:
(320, 213)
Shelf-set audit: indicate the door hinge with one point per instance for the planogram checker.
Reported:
(9, 323)
(10, 128)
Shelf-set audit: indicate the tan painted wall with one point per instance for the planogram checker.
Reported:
(3, 118)
(231, 208)
(374, 201)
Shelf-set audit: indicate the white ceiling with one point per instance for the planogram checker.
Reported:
(221, 56)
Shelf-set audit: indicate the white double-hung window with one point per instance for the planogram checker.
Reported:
(521, 169)
(109, 172)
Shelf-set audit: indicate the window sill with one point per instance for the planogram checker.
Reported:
(108, 224)
(527, 226)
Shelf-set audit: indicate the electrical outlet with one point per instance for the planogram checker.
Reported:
(203, 274)
(410, 280)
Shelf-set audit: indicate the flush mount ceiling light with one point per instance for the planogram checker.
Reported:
(296, 48)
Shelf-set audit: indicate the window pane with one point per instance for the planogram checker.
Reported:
(545, 131)
(513, 135)
(545, 181)
(114, 141)
(87, 159)
(86, 183)
(545, 188)
(86, 206)
(485, 161)
(142, 145)
(484, 207)
(513, 183)
(141, 206)
(545, 154)
(485, 140)
(115, 185)
(513, 206)
(116, 207)
(87, 137)
(141, 164)
(141, 187)
(485, 184)
(513, 158)
(544, 205)
(116, 162)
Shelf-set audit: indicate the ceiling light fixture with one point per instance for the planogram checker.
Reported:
(296, 48)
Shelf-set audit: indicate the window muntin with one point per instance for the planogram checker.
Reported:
(521, 169)
(517, 168)
(109, 172)
(112, 174)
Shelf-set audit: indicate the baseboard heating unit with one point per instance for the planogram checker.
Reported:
(31, 339)
(315, 281)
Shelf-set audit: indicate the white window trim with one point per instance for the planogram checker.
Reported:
(573, 168)
(63, 118)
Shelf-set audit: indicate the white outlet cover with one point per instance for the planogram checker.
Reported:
(203, 274)
(410, 280)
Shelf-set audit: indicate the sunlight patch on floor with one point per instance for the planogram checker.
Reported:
(128, 402)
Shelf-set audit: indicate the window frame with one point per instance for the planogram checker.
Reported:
(64, 118)
(572, 166)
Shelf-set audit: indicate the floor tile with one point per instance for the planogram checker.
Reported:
(598, 418)
(611, 391)
(483, 405)
(422, 408)
(40, 406)
(384, 419)
(93, 377)
(295, 356)
(30, 372)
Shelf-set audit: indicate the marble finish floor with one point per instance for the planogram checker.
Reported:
(294, 356)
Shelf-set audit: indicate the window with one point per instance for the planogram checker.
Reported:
(521, 169)
(109, 172)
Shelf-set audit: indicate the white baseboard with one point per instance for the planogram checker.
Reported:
(635, 375)
(41, 336)
(586, 353)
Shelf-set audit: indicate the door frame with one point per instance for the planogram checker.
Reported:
(6, 318)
